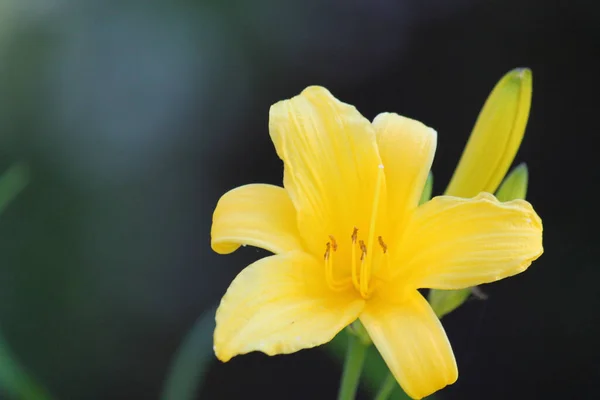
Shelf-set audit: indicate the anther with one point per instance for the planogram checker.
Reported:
(363, 249)
(333, 243)
(354, 235)
(382, 244)
(327, 248)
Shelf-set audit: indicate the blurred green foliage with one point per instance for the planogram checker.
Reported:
(14, 380)
(192, 360)
(11, 184)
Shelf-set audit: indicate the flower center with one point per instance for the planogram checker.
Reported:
(362, 274)
(362, 255)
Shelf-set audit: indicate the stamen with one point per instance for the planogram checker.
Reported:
(382, 244)
(331, 282)
(365, 275)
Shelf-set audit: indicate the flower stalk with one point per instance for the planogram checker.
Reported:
(387, 387)
(355, 358)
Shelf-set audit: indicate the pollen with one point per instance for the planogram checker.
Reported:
(382, 244)
(333, 243)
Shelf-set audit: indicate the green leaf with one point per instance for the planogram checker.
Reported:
(11, 184)
(446, 301)
(427, 190)
(191, 362)
(514, 185)
(14, 381)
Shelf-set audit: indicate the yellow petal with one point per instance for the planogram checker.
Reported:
(454, 243)
(258, 215)
(407, 148)
(412, 342)
(280, 305)
(331, 164)
(496, 137)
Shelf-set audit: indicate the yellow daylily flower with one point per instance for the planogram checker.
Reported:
(351, 242)
(496, 136)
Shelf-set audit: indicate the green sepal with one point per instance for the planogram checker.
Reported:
(427, 189)
(446, 301)
(514, 185)
(357, 329)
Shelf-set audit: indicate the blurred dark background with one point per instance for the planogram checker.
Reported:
(135, 116)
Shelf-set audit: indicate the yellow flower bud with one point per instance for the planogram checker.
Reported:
(496, 137)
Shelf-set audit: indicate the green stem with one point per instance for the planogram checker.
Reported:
(387, 387)
(355, 357)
